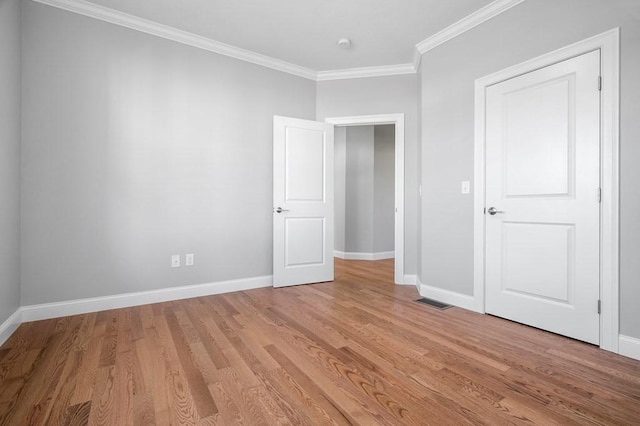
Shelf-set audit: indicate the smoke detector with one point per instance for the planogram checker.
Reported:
(344, 43)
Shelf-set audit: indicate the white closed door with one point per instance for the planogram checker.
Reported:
(542, 198)
(302, 201)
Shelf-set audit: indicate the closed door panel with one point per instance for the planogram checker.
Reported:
(542, 180)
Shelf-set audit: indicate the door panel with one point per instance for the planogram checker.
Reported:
(305, 241)
(304, 164)
(543, 269)
(537, 122)
(302, 201)
(542, 175)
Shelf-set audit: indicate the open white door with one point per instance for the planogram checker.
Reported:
(302, 201)
(542, 198)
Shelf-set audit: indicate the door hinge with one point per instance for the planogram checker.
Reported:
(599, 307)
(599, 82)
(599, 195)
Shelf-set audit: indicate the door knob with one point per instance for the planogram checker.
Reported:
(493, 211)
(280, 210)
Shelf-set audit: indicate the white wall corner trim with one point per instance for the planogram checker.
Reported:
(465, 24)
(629, 347)
(417, 59)
(446, 296)
(122, 19)
(384, 70)
(95, 304)
(609, 45)
(10, 325)
(410, 280)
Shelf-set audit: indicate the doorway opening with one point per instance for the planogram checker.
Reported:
(364, 192)
(372, 226)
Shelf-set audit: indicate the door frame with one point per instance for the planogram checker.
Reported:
(609, 45)
(398, 121)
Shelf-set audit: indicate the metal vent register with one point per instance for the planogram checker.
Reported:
(434, 303)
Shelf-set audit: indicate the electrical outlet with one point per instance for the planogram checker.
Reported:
(175, 261)
(189, 260)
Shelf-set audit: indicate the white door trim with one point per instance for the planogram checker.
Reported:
(398, 121)
(609, 45)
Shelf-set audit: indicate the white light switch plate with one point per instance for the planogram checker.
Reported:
(466, 187)
(175, 261)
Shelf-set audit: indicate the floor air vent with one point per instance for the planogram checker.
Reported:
(434, 303)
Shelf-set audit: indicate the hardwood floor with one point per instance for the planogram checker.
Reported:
(355, 351)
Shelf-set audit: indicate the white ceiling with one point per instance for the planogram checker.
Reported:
(305, 32)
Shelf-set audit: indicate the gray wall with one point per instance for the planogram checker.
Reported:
(382, 95)
(384, 177)
(359, 231)
(339, 183)
(447, 78)
(9, 158)
(364, 188)
(136, 148)
(369, 191)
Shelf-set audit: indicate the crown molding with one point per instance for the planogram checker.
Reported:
(465, 24)
(380, 71)
(126, 20)
(122, 19)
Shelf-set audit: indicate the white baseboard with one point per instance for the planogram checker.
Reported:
(95, 304)
(10, 325)
(409, 280)
(364, 256)
(629, 346)
(339, 254)
(446, 296)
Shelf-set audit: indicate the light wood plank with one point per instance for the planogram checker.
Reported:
(358, 350)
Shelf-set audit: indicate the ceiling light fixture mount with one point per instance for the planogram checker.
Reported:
(344, 43)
